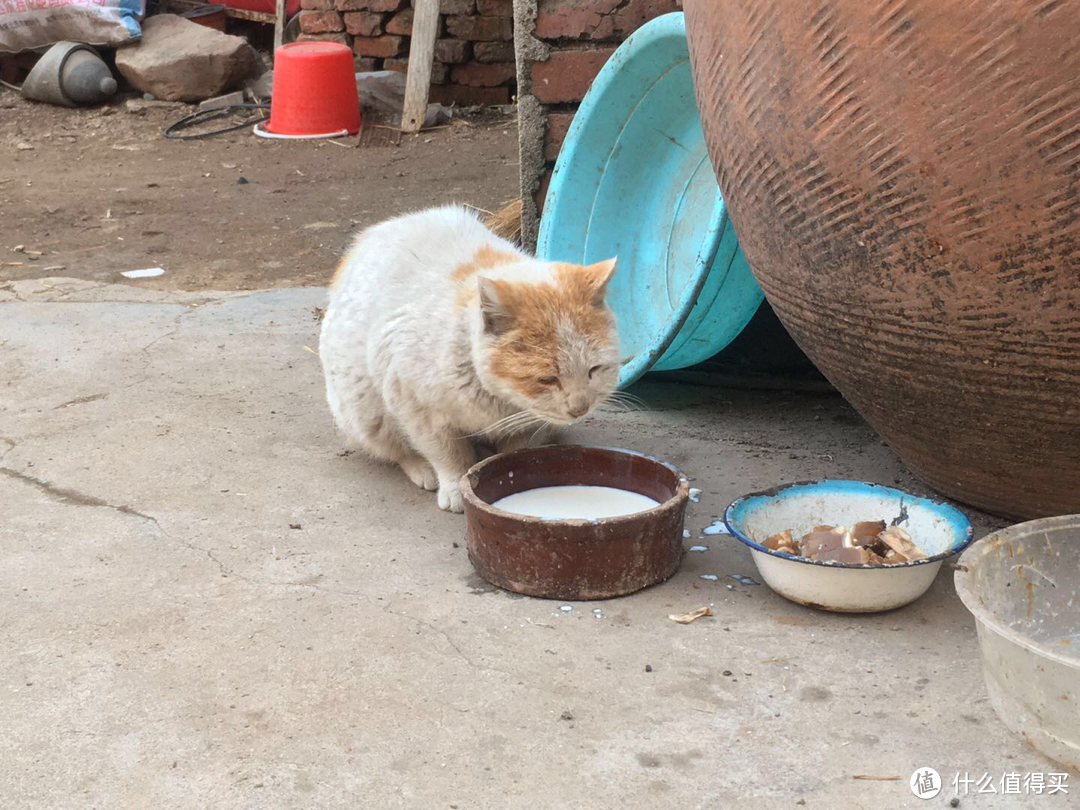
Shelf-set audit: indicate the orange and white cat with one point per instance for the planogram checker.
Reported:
(439, 332)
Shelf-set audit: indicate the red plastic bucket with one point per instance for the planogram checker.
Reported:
(314, 92)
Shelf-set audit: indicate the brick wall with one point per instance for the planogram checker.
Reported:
(561, 46)
(474, 54)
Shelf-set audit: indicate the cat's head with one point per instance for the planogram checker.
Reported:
(549, 345)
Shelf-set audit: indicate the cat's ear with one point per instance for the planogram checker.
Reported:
(601, 274)
(497, 316)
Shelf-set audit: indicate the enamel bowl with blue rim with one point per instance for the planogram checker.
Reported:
(939, 529)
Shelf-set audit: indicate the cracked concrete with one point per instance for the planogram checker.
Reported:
(70, 496)
(171, 641)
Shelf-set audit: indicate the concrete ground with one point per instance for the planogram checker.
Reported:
(206, 603)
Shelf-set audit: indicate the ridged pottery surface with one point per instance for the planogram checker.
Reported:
(904, 179)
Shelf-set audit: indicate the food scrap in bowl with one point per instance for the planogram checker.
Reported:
(868, 542)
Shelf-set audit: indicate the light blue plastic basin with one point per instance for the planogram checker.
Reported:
(633, 180)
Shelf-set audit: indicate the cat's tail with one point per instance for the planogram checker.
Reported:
(506, 222)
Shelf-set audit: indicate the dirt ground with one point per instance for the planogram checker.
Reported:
(100, 191)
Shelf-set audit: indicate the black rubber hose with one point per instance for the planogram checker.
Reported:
(212, 114)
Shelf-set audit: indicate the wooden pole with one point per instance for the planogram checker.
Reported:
(421, 55)
(279, 23)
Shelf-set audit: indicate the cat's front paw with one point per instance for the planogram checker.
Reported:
(420, 473)
(450, 498)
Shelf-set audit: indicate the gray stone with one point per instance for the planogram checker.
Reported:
(178, 60)
(235, 97)
(141, 105)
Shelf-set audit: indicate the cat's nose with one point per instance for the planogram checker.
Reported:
(577, 406)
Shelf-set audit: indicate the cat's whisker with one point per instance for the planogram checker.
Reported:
(514, 423)
(623, 396)
(500, 425)
(506, 423)
(540, 425)
(521, 425)
(543, 424)
(610, 403)
(624, 402)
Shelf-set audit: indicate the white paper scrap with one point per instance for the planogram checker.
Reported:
(149, 272)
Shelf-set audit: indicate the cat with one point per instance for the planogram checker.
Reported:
(438, 332)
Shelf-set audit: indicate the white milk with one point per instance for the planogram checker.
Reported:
(575, 502)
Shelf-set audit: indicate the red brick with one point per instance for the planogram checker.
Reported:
(479, 74)
(454, 6)
(400, 23)
(494, 51)
(378, 46)
(452, 51)
(365, 64)
(483, 29)
(317, 5)
(597, 19)
(555, 133)
(342, 39)
(320, 22)
(364, 23)
(469, 96)
(567, 74)
(368, 5)
(439, 72)
(495, 8)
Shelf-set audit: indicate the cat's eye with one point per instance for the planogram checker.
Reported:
(548, 381)
(593, 370)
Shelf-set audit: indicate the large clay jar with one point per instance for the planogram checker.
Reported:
(904, 179)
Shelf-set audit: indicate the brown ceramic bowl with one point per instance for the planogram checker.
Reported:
(574, 559)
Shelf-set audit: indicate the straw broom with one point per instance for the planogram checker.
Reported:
(506, 222)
